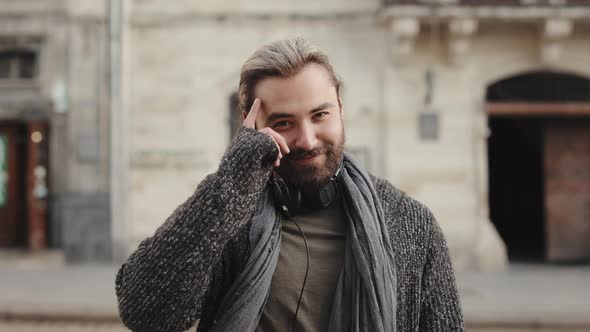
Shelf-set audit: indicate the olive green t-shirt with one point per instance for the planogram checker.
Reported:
(325, 231)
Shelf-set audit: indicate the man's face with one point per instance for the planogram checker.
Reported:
(305, 110)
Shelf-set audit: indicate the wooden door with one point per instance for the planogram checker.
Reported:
(9, 186)
(567, 190)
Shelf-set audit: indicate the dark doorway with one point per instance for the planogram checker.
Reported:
(13, 208)
(515, 164)
(524, 111)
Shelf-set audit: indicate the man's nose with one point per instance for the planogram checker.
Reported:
(306, 138)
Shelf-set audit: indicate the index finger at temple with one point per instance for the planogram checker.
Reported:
(250, 120)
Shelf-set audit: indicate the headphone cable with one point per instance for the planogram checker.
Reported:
(304, 278)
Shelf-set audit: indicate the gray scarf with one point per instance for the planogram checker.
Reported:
(366, 294)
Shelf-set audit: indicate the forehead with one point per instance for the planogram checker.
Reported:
(303, 91)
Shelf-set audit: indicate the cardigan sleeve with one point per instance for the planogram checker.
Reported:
(440, 307)
(162, 285)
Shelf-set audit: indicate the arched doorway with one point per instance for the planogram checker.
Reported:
(539, 165)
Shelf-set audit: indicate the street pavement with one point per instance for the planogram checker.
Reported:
(525, 298)
(528, 296)
(59, 326)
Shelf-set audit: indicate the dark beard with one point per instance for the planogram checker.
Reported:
(309, 178)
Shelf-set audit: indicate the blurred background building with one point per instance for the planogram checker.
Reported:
(112, 112)
(55, 127)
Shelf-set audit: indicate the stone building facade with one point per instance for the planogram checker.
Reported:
(54, 118)
(425, 87)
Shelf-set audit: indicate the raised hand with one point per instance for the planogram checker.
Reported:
(250, 122)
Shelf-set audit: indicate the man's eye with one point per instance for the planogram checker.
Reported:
(281, 124)
(320, 115)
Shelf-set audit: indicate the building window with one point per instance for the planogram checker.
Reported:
(18, 64)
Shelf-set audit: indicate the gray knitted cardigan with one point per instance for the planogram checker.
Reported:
(179, 275)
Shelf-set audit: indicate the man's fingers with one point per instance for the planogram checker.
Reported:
(279, 140)
(250, 120)
(269, 132)
(282, 143)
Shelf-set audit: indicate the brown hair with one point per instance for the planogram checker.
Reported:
(282, 58)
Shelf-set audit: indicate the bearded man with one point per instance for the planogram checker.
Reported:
(291, 233)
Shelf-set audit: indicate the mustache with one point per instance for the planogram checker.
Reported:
(296, 154)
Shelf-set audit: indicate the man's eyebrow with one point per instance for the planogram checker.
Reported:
(279, 115)
(322, 107)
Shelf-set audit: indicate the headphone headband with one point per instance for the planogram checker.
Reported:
(290, 200)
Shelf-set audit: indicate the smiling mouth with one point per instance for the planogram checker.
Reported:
(306, 159)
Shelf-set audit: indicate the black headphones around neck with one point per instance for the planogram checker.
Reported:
(290, 200)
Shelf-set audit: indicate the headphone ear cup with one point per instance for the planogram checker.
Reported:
(286, 197)
(327, 194)
(281, 195)
(278, 191)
